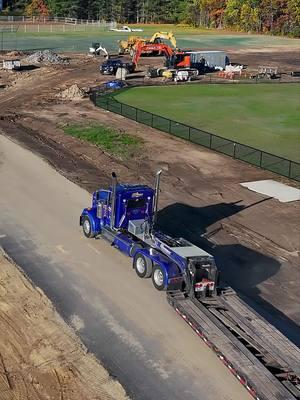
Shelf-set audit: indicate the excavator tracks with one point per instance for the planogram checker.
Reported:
(264, 361)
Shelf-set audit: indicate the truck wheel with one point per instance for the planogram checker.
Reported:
(142, 266)
(158, 277)
(87, 228)
(134, 249)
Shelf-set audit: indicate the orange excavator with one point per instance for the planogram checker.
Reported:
(142, 48)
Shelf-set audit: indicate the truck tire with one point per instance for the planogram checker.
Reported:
(87, 228)
(134, 249)
(142, 265)
(158, 277)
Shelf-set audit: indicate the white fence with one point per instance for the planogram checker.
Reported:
(54, 20)
(52, 27)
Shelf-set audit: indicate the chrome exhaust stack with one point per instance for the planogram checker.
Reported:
(156, 196)
(113, 199)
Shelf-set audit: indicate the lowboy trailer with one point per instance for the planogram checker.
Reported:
(257, 354)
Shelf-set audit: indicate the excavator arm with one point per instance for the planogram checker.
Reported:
(164, 35)
(148, 47)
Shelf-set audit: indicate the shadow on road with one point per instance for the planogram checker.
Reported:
(241, 267)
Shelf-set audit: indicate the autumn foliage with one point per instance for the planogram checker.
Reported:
(38, 8)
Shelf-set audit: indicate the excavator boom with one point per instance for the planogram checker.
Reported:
(164, 35)
(125, 46)
(148, 48)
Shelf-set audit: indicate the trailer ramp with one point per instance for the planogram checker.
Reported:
(264, 361)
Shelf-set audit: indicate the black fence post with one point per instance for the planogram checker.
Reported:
(234, 147)
(136, 112)
(260, 159)
(210, 141)
(290, 169)
(170, 126)
(189, 133)
(121, 111)
(151, 120)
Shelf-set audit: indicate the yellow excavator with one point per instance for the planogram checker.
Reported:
(127, 46)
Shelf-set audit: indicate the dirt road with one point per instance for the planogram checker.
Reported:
(40, 356)
(119, 317)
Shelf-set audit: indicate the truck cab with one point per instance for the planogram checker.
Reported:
(114, 208)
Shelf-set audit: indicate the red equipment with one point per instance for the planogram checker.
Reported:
(149, 48)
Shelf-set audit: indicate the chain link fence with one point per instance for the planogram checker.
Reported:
(250, 155)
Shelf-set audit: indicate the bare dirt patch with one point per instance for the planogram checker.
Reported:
(40, 357)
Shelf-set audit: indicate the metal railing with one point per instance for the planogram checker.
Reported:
(239, 151)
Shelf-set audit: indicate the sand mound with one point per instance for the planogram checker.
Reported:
(73, 93)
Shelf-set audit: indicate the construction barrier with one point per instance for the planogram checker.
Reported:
(270, 162)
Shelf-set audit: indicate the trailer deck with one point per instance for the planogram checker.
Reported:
(260, 357)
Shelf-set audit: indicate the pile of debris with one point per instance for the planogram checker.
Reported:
(73, 92)
(46, 57)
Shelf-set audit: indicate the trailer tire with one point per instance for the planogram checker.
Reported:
(158, 277)
(87, 227)
(143, 266)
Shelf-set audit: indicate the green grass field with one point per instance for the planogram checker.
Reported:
(115, 142)
(264, 116)
(187, 37)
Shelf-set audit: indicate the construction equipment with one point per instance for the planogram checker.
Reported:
(158, 36)
(142, 48)
(96, 50)
(183, 74)
(265, 362)
(125, 46)
(128, 46)
(203, 61)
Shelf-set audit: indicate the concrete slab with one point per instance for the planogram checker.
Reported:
(271, 188)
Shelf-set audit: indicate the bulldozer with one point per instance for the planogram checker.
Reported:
(128, 46)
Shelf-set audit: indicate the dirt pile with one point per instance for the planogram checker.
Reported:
(73, 92)
(45, 57)
(14, 53)
(40, 357)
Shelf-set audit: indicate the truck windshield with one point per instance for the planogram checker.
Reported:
(136, 203)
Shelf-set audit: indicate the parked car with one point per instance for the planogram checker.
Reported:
(110, 66)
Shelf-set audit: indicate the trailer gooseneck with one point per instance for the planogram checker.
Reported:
(260, 357)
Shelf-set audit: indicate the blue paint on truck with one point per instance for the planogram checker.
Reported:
(125, 215)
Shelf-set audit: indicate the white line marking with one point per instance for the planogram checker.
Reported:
(93, 248)
(2, 236)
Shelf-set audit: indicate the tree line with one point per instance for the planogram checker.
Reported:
(262, 16)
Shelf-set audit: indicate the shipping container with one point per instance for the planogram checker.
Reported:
(213, 59)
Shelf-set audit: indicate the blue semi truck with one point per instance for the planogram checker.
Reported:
(126, 215)
(264, 361)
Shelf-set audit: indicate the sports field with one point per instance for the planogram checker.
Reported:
(78, 38)
(264, 116)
